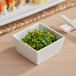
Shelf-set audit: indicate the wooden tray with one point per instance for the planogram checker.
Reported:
(25, 21)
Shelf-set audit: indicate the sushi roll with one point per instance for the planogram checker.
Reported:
(37, 1)
(31, 1)
(20, 3)
(3, 7)
(40, 1)
(11, 5)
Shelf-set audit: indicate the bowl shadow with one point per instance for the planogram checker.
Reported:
(13, 64)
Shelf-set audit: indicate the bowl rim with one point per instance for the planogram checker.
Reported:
(36, 24)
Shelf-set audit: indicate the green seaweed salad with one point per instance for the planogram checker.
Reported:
(39, 39)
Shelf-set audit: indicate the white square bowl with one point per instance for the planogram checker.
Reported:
(40, 56)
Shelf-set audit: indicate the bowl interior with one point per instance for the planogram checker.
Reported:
(37, 26)
(50, 30)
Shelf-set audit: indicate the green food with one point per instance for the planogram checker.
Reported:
(39, 39)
